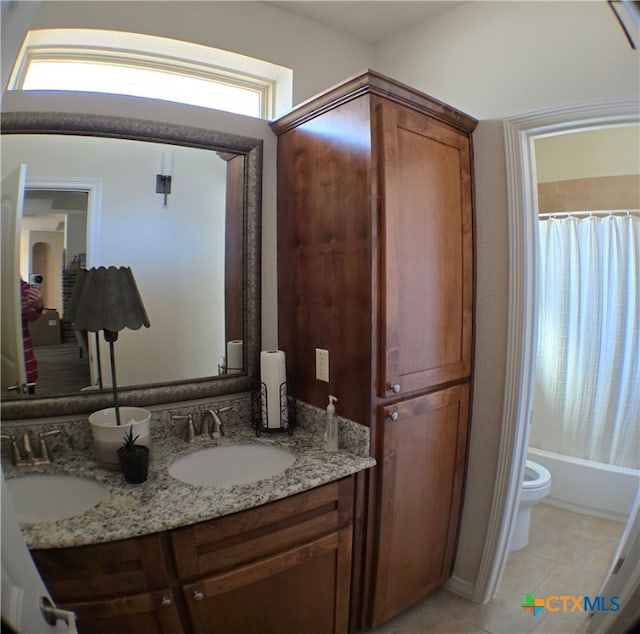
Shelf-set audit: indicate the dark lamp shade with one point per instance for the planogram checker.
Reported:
(107, 299)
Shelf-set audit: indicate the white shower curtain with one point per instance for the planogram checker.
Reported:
(587, 387)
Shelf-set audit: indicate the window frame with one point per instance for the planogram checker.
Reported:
(273, 83)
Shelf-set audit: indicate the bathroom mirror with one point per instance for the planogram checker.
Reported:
(234, 301)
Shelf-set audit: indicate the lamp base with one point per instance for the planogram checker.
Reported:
(108, 436)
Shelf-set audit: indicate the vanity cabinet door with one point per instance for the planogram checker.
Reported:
(421, 462)
(147, 613)
(303, 589)
(103, 570)
(116, 588)
(427, 255)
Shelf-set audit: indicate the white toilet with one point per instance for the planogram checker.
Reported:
(536, 485)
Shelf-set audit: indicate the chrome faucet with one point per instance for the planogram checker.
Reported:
(27, 456)
(26, 445)
(214, 424)
(45, 452)
(191, 429)
(16, 457)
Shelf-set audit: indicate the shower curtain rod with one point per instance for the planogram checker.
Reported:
(568, 214)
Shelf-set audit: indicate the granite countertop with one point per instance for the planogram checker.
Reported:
(164, 503)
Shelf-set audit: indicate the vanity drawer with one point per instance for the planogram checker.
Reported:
(100, 570)
(227, 542)
(141, 613)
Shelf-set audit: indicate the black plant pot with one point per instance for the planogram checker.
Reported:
(134, 463)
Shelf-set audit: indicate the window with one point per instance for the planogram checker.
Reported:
(153, 67)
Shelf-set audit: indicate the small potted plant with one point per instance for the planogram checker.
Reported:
(134, 459)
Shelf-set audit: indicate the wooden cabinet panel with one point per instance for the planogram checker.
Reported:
(325, 253)
(422, 459)
(148, 613)
(102, 570)
(231, 541)
(427, 256)
(304, 589)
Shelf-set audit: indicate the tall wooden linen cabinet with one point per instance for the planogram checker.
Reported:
(375, 265)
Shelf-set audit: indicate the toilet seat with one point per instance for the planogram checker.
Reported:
(535, 475)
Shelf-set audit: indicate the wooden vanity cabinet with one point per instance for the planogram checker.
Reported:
(281, 567)
(375, 265)
(284, 567)
(120, 586)
(146, 613)
(303, 589)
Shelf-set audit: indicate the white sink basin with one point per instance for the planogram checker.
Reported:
(226, 465)
(48, 497)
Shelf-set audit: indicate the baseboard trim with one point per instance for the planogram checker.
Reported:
(460, 586)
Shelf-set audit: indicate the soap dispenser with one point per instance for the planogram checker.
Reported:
(331, 429)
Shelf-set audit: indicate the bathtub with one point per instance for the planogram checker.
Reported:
(588, 487)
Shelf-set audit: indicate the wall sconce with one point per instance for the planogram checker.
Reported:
(163, 180)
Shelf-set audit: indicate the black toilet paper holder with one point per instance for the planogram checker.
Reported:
(260, 410)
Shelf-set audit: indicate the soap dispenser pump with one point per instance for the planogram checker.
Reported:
(331, 429)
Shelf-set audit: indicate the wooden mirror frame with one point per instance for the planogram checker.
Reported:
(158, 132)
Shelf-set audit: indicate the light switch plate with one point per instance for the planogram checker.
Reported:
(322, 365)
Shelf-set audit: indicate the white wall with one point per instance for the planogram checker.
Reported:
(175, 252)
(15, 20)
(588, 154)
(497, 59)
(318, 55)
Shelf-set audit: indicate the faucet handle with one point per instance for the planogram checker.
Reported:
(191, 429)
(15, 451)
(215, 424)
(26, 444)
(45, 453)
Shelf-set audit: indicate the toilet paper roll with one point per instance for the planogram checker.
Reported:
(273, 374)
(235, 356)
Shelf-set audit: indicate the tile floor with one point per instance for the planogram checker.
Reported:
(568, 554)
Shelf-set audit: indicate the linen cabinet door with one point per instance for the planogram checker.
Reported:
(303, 589)
(427, 251)
(421, 470)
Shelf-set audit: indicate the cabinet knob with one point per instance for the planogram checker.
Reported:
(393, 416)
(166, 602)
(198, 596)
(395, 388)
